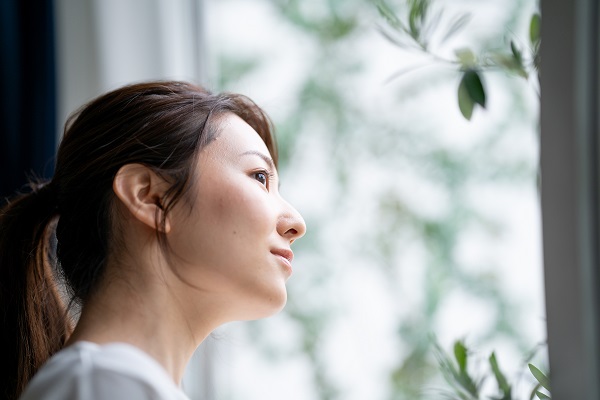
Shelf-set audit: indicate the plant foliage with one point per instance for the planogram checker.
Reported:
(465, 386)
(417, 32)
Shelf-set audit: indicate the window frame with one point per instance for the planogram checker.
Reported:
(570, 192)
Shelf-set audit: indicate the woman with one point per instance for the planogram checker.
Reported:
(163, 221)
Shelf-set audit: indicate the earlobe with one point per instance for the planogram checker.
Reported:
(141, 191)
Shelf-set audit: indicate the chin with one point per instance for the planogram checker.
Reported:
(268, 306)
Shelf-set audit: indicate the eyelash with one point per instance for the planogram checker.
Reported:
(267, 174)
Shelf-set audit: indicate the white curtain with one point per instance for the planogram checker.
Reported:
(103, 44)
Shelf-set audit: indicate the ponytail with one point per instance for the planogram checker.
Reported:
(162, 125)
(34, 318)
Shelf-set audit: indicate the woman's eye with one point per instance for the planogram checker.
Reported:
(261, 177)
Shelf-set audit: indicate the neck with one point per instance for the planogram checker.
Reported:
(150, 313)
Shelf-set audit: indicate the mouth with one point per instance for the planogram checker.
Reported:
(286, 255)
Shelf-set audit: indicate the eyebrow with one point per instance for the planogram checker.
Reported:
(266, 158)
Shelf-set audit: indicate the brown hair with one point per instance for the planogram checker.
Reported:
(63, 228)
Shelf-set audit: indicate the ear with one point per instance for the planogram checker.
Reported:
(141, 190)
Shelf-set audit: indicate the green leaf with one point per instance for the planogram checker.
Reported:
(516, 53)
(417, 16)
(517, 60)
(412, 22)
(433, 23)
(464, 386)
(509, 63)
(475, 87)
(396, 40)
(541, 395)
(500, 378)
(534, 391)
(465, 103)
(470, 92)
(540, 376)
(456, 25)
(503, 60)
(535, 29)
(460, 353)
(388, 14)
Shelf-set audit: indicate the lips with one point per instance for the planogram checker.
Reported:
(287, 254)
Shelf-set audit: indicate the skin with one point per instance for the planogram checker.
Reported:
(228, 262)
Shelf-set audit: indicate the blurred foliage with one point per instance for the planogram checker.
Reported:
(467, 386)
(416, 33)
(325, 107)
(232, 67)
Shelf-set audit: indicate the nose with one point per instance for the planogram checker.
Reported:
(290, 224)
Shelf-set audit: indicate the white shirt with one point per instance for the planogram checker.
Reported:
(115, 371)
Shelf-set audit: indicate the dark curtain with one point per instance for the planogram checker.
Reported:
(28, 95)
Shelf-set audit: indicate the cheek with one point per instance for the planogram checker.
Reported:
(229, 218)
(241, 211)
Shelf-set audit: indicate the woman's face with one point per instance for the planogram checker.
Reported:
(233, 244)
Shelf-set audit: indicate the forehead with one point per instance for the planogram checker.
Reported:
(234, 138)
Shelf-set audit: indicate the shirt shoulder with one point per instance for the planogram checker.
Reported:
(112, 371)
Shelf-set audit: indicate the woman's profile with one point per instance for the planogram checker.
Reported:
(163, 221)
